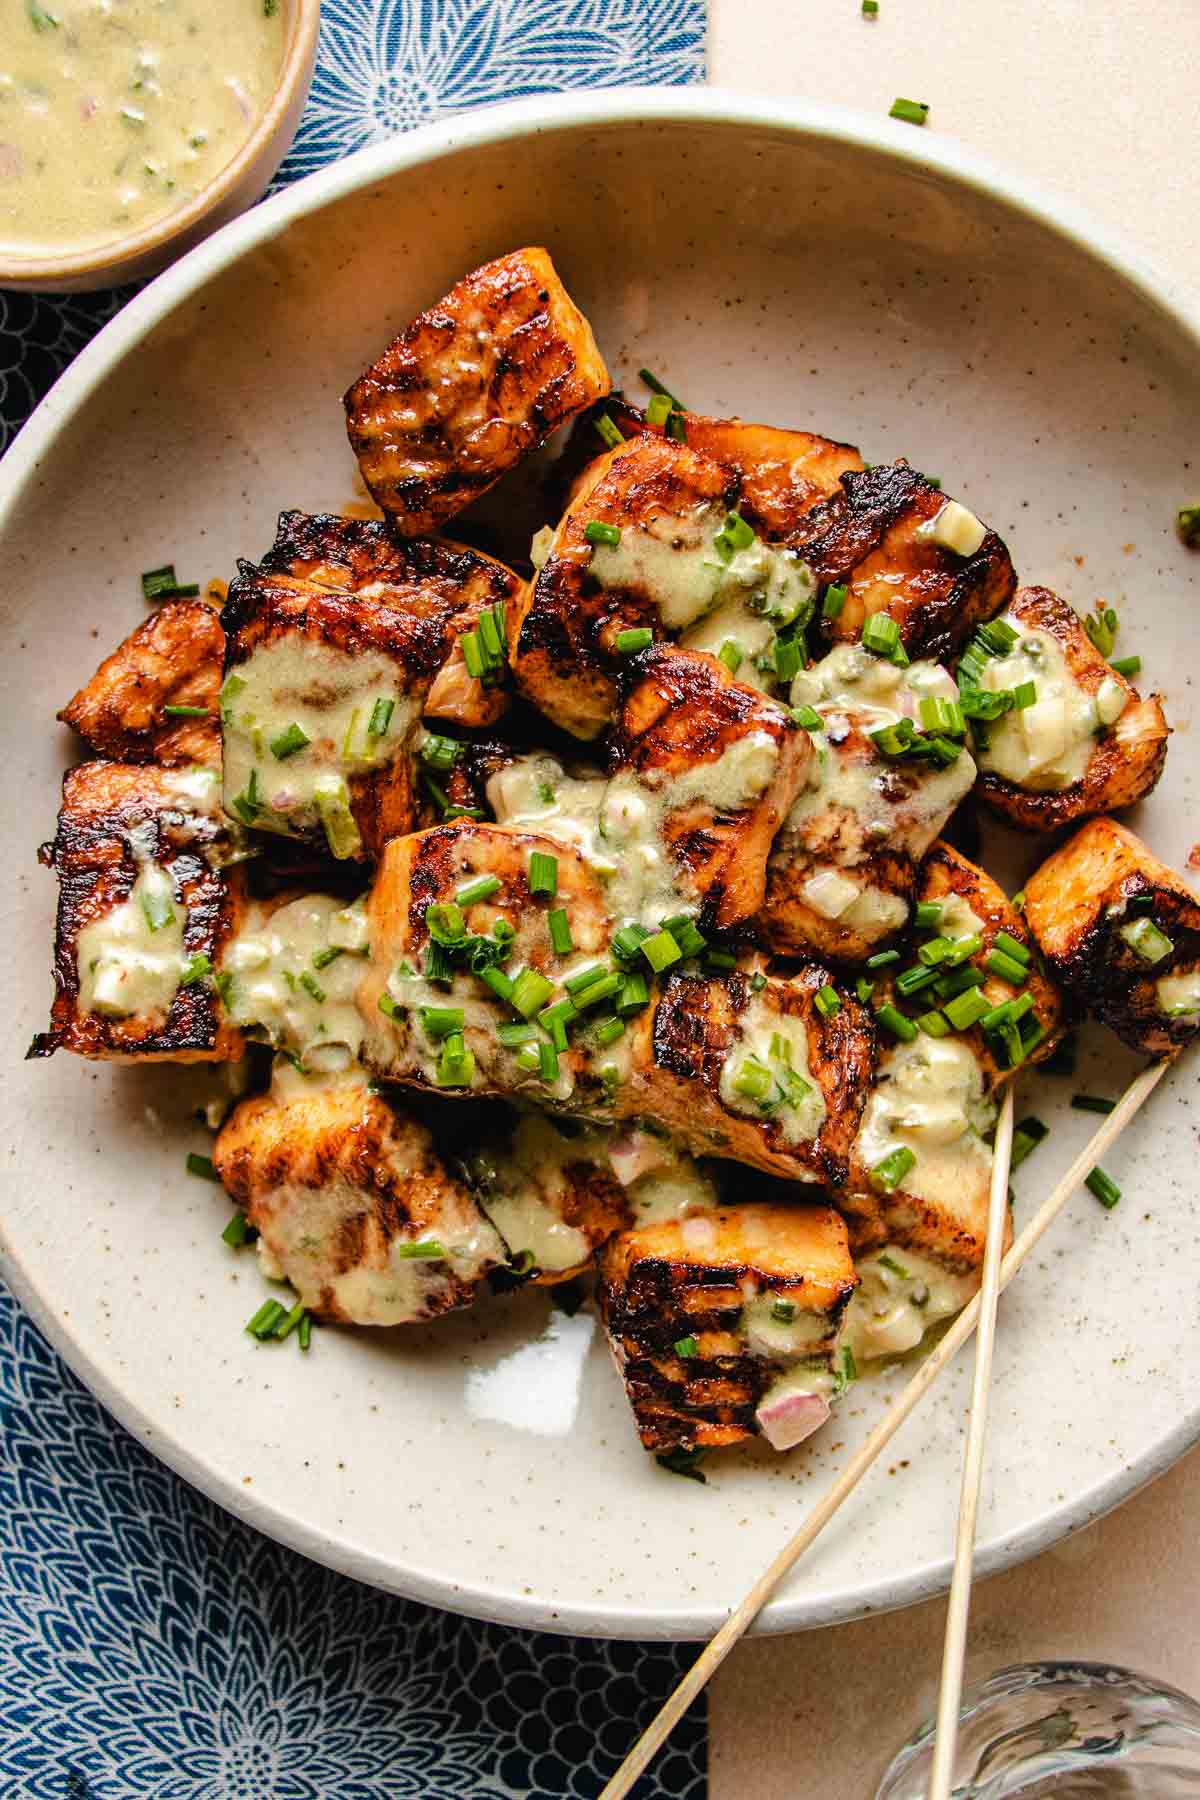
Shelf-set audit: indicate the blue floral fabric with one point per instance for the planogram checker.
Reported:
(151, 1647)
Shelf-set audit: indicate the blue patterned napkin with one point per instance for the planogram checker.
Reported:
(152, 1648)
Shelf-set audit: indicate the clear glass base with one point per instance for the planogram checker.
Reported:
(1068, 1729)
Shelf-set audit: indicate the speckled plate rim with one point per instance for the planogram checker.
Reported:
(495, 126)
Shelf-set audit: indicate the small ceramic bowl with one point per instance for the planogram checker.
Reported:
(235, 187)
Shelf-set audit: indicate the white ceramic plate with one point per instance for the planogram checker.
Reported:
(794, 264)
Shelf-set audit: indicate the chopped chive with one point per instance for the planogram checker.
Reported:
(239, 1231)
(1092, 1103)
(512, 1035)
(634, 995)
(606, 989)
(1101, 627)
(911, 981)
(870, 9)
(482, 888)
(422, 1250)
(660, 951)
(786, 657)
(734, 535)
(559, 926)
(456, 1064)
(753, 1079)
(962, 950)
(583, 978)
(187, 712)
(683, 1462)
(686, 1346)
(441, 1021)
(827, 1001)
(834, 601)
(893, 1020)
(285, 1326)
(656, 387)
(440, 752)
(807, 717)
(957, 981)
(928, 915)
(530, 991)
(934, 1024)
(1104, 1187)
(892, 1266)
(203, 1166)
(638, 637)
(1007, 968)
(1013, 947)
(289, 742)
(677, 427)
(543, 874)
(391, 1009)
(608, 1031)
(263, 1324)
(1126, 665)
(628, 941)
(438, 966)
(1028, 1133)
(783, 1311)
(864, 988)
(312, 987)
(720, 961)
(381, 718)
(731, 655)
(304, 1335)
(691, 941)
(881, 634)
(935, 950)
(882, 958)
(197, 968)
(555, 1019)
(1187, 523)
(529, 1058)
(597, 532)
(500, 983)
(1023, 695)
(966, 1009)
(547, 1061)
(473, 655)
(889, 1173)
(160, 584)
(913, 112)
(1146, 940)
(608, 431)
(938, 714)
(489, 639)
(659, 410)
(158, 904)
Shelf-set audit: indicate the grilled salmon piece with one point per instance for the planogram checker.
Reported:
(1121, 931)
(1087, 745)
(427, 870)
(445, 587)
(881, 537)
(750, 1068)
(975, 905)
(781, 473)
(668, 502)
(155, 698)
(146, 906)
(550, 1190)
(843, 868)
(720, 764)
(353, 1206)
(470, 388)
(720, 1324)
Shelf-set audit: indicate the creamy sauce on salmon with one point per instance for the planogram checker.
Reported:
(1046, 745)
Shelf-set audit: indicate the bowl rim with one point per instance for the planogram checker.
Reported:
(492, 126)
(304, 22)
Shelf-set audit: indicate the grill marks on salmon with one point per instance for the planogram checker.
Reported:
(1080, 902)
(342, 1189)
(665, 1284)
(172, 659)
(684, 717)
(471, 387)
(116, 819)
(1126, 759)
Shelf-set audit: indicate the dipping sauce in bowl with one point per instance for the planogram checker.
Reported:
(116, 113)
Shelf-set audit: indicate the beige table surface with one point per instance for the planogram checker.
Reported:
(1101, 100)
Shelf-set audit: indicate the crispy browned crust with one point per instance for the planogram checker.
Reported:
(1127, 759)
(945, 871)
(362, 1176)
(471, 387)
(680, 710)
(1067, 904)
(680, 1050)
(96, 869)
(173, 658)
(864, 537)
(591, 1201)
(655, 1290)
(564, 641)
(781, 474)
(444, 587)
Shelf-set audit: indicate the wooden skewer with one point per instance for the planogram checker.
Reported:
(739, 1621)
(954, 1652)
